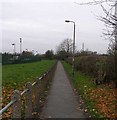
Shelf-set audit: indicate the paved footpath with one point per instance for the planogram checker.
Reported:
(61, 102)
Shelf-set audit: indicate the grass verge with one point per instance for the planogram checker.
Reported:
(15, 76)
(100, 100)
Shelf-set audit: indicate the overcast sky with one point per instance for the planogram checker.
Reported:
(41, 25)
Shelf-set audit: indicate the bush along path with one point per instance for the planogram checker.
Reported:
(61, 101)
(100, 101)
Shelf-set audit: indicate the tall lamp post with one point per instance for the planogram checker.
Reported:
(73, 65)
(14, 47)
(20, 46)
(13, 51)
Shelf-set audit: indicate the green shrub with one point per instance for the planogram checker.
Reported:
(102, 68)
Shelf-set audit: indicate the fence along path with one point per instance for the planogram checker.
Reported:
(31, 96)
(61, 101)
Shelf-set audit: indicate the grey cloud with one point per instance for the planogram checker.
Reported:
(42, 26)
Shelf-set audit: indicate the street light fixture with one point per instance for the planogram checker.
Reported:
(73, 45)
(20, 46)
(14, 47)
(14, 51)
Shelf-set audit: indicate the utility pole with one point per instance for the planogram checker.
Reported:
(20, 46)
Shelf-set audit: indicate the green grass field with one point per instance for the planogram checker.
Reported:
(17, 74)
(99, 100)
(0, 76)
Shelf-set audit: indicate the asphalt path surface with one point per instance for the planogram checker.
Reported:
(62, 102)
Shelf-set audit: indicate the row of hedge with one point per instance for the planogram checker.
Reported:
(102, 68)
(17, 59)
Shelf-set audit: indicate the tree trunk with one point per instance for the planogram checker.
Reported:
(116, 45)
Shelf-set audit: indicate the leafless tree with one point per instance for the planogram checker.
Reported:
(65, 45)
(110, 20)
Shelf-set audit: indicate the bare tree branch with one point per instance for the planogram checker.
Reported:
(110, 20)
(94, 2)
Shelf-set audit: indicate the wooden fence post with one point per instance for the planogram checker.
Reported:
(43, 83)
(50, 74)
(45, 80)
(16, 107)
(28, 101)
(37, 97)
